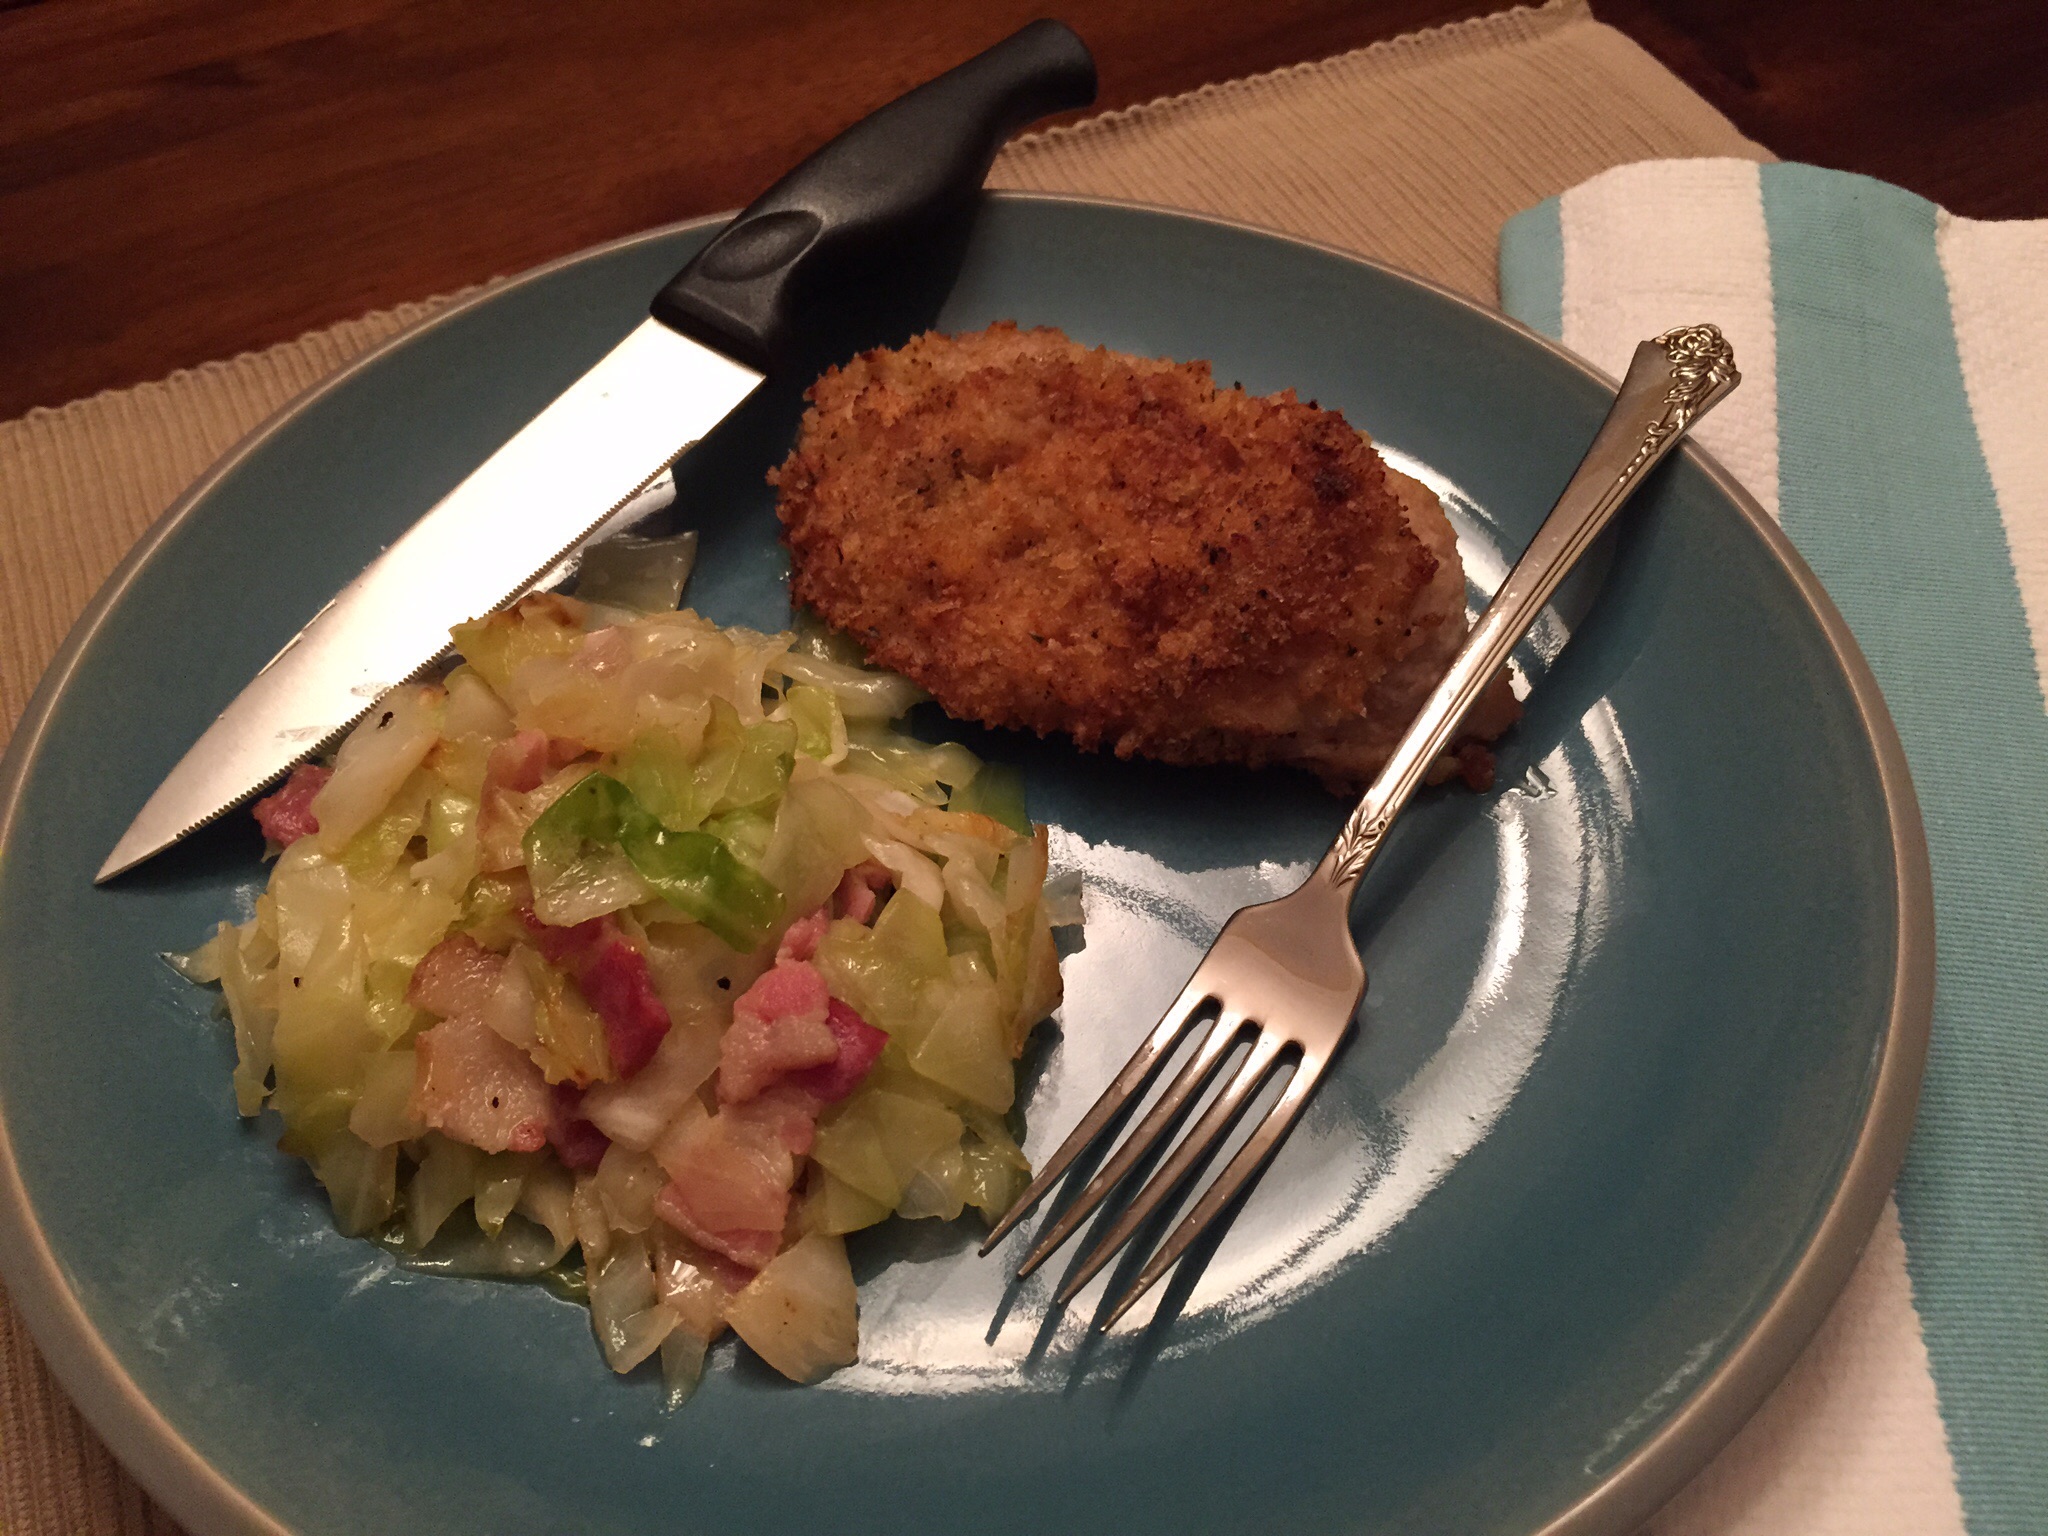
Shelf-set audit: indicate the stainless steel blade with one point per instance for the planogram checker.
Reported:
(603, 440)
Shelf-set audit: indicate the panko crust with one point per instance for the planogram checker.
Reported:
(1072, 540)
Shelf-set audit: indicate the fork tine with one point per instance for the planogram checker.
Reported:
(1187, 1082)
(1206, 1133)
(1279, 1120)
(1136, 1073)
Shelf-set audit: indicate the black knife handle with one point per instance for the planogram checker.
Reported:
(903, 179)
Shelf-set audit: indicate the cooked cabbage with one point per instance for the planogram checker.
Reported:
(801, 1313)
(598, 842)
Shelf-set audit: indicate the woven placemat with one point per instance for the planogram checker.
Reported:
(1414, 151)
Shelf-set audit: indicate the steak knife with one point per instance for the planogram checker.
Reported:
(898, 188)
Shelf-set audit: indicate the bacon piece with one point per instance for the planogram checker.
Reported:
(784, 1115)
(516, 767)
(860, 890)
(778, 1025)
(860, 1046)
(287, 816)
(730, 1174)
(578, 1143)
(615, 981)
(790, 989)
(613, 977)
(517, 763)
(476, 1087)
(750, 1247)
(801, 941)
(457, 976)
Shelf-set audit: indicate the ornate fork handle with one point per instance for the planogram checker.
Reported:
(1671, 382)
(1287, 969)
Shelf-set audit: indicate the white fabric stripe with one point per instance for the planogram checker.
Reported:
(1998, 297)
(1666, 243)
(1852, 1442)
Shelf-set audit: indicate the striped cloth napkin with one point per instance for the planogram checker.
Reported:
(1894, 418)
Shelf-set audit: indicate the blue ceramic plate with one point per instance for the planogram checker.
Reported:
(1638, 1060)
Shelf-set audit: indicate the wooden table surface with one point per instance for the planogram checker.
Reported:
(182, 181)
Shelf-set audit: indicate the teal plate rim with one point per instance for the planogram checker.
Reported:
(198, 1495)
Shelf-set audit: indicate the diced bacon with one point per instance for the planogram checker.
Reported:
(287, 816)
(504, 814)
(756, 1052)
(735, 1168)
(860, 1046)
(457, 976)
(860, 890)
(854, 899)
(616, 983)
(517, 763)
(516, 767)
(578, 1143)
(638, 1112)
(613, 977)
(745, 1246)
(475, 1087)
(792, 989)
(778, 1025)
(730, 1175)
(784, 1115)
(801, 941)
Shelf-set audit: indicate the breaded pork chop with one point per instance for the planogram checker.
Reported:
(1074, 540)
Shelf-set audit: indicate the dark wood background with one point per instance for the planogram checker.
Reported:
(181, 181)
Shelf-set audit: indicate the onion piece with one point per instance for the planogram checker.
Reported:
(913, 871)
(474, 709)
(521, 1250)
(202, 964)
(682, 1367)
(638, 1110)
(802, 1313)
(1063, 897)
(498, 1186)
(545, 1199)
(513, 1008)
(379, 755)
(863, 694)
(445, 1179)
(625, 1185)
(383, 1116)
(640, 575)
(629, 1320)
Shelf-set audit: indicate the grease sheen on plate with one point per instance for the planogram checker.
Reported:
(1627, 1011)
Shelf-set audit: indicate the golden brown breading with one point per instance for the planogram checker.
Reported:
(1080, 541)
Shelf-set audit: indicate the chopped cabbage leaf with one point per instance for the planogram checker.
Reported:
(640, 574)
(694, 872)
(605, 825)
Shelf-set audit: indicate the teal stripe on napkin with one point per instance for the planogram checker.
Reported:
(1532, 269)
(1884, 489)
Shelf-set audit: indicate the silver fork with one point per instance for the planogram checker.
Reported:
(1289, 969)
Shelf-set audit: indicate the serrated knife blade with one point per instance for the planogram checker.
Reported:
(600, 442)
(891, 196)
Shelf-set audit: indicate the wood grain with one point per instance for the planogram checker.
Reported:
(1949, 100)
(184, 181)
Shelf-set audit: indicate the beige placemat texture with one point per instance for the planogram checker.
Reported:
(1414, 151)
